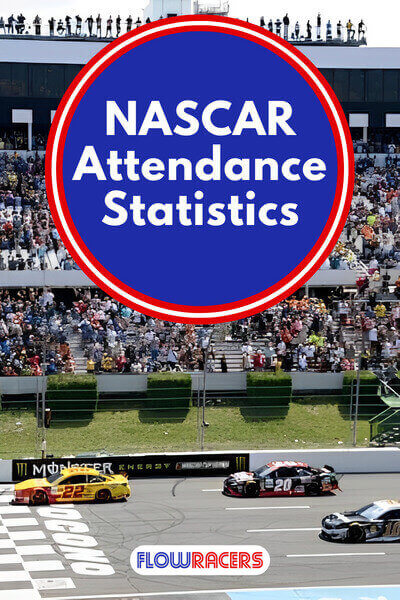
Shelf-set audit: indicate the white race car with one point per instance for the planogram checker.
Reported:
(376, 522)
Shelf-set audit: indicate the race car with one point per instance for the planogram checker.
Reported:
(282, 478)
(375, 522)
(77, 484)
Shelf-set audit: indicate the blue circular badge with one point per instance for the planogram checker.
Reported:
(199, 169)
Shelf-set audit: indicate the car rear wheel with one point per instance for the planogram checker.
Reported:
(251, 489)
(103, 495)
(356, 534)
(312, 489)
(39, 497)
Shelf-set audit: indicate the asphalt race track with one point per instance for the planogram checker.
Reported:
(193, 511)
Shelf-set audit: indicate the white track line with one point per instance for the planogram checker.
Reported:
(21, 522)
(215, 490)
(14, 576)
(43, 565)
(336, 554)
(279, 530)
(266, 507)
(6, 498)
(322, 589)
(35, 549)
(6, 544)
(14, 510)
(20, 595)
(10, 559)
(21, 536)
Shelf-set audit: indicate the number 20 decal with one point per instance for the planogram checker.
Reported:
(283, 485)
(73, 492)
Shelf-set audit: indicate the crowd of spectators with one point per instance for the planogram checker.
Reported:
(35, 328)
(33, 336)
(380, 141)
(116, 338)
(16, 138)
(372, 231)
(299, 334)
(28, 237)
(29, 240)
(310, 334)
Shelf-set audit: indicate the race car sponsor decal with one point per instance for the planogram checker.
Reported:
(205, 464)
(243, 476)
(200, 560)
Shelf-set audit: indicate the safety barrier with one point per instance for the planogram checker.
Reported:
(366, 460)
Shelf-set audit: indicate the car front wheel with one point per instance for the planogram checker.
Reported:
(251, 489)
(355, 534)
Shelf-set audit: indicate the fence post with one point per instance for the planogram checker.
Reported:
(357, 404)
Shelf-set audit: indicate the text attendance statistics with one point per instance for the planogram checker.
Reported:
(271, 119)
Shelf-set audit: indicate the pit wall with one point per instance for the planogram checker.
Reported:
(195, 464)
(301, 382)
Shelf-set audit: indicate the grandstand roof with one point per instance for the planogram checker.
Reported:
(31, 49)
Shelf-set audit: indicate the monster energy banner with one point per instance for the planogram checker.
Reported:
(139, 465)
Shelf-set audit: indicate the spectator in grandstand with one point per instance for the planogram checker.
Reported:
(37, 23)
(90, 22)
(98, 25)
(109, 27)
(52, 23)
(224, 364)
(10, 24)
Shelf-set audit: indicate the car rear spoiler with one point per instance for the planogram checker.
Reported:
(329, 468)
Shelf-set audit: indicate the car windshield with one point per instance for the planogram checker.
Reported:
(262, 471)
(371, 512)
(53, 478)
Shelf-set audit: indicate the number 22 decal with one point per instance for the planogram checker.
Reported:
(73, 492)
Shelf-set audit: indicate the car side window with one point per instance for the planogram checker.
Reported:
(96, 479)
(74, 480)
(303, 472)
(286, 472)
(391, 514)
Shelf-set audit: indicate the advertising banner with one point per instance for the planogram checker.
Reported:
(137, 466)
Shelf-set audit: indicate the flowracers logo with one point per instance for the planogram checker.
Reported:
(200, 560)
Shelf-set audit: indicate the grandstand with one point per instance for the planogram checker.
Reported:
(315, 331)
(366, 81)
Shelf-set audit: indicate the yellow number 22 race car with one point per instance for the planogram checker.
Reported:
(77, 484)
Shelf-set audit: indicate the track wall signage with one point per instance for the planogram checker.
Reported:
(199, 169)
(145, 465)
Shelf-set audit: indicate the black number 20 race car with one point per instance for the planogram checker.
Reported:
(376, 522)
(282, 478)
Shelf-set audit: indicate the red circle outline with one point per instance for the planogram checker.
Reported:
(219, 24)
